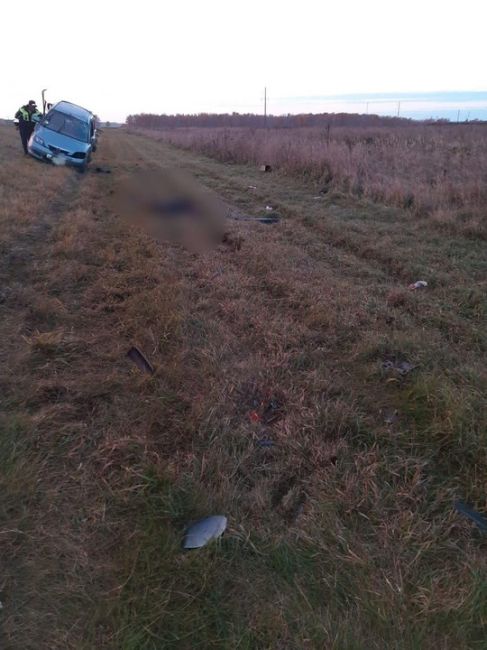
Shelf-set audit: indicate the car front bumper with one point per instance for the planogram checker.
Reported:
(44, 153)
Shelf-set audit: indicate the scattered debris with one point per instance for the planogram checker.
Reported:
(391, 417)
(254, 416)
(103, 170)
(479, 520)
(265, 168)
(204, 530)
(275, 218)
(420, 284)
(252, 187)
(273, 411)
(266, 443)
(270, 411)
(268, 220)
(140, 361)
(269, 208)
(400, 367)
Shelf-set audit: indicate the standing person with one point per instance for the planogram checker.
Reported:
(27, 115)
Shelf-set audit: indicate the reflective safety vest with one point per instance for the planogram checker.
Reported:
(27, 116)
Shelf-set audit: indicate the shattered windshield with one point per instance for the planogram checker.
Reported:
(67, 125)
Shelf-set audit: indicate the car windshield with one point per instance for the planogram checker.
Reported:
(67, 125)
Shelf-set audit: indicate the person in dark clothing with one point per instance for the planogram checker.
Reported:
(27, 115)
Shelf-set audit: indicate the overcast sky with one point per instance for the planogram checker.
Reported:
(118, 58)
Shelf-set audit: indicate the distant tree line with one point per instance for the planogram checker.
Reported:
(153, 121)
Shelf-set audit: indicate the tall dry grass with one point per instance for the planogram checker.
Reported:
(434, 171)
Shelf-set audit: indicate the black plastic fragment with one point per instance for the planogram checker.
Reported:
(479, 520)
(140, 361)
(269, 220)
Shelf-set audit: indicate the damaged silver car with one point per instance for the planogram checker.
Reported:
(66, 135)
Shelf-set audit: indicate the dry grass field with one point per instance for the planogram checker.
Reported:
(434, 171)
(342, 533)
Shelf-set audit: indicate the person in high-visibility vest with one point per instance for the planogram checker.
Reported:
(27, 115)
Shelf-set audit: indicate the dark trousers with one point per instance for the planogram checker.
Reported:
(25, 130)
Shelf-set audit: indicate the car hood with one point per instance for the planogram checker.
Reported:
(60, 141)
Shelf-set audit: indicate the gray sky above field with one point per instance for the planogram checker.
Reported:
(150, 56)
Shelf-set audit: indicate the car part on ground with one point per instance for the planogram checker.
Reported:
(204, 530)
(401, 368)
(479, 520)
(420, 284)
(140, 361)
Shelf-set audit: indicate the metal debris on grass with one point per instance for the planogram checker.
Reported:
(269, 208)
(265, 168)
(275, 218)
(479, 520)
(252, 187)
(273, 411)
(140, 361)
(270, 411)
(269, 220)
(420, 284)
(204, 530)
(400, 367)
(265, 443)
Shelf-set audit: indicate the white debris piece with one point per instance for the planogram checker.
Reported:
(204, 530)
(420, 284)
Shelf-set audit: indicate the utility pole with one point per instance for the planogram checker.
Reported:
(458, 116)
(265, 107)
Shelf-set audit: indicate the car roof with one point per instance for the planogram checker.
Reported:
(72, 109)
